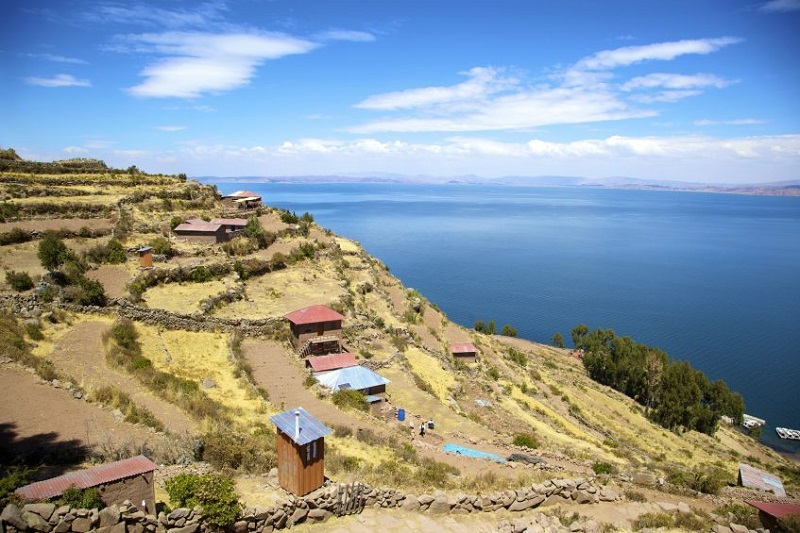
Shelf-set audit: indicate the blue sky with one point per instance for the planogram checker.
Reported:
(687, 90)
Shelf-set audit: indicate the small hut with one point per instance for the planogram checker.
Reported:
(301, 451)
(754, 478)
(145, 257)
(359, 378)
(129, 479)
(316, 330)
(202, 232)
(464, 351)
(770, 513)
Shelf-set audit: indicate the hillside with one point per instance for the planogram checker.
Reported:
(187, 361)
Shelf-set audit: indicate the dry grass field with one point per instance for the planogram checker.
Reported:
(535, 390)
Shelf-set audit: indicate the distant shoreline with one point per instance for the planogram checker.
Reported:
(791, 189)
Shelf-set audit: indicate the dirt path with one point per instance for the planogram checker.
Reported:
(113, 278)
(32, 413)
(283, 378)
(80, 354)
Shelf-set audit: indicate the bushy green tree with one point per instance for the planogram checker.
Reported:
(558, 340)
(214, 493)
(52, 251)
(508, 331)
(19, 281)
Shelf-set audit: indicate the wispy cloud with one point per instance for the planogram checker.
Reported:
(199, 63)
(629, 55)
(345, 35)
(59, 80)
(140, 14)
(170, 128)
(734, 122)
(490, 100)
(780, 6)
(56, 58)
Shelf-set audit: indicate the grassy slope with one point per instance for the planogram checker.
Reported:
(549, 396)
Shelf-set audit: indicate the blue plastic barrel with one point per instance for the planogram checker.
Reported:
(401, 414)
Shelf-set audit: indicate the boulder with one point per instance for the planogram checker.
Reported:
(36, 522)
(81, 524)
(109, 516)
(719, 528)
(298, 515)
(188, 528)
(608, 495)
(644, 478)
(440, 505)
(45, 510)
(319, 515)
(11, 515)
(684, 508)
(738, 528)
(411, 503)
(61, 527)
(581, 496)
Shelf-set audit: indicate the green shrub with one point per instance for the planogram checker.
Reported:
(19, 281)
(12, 478)
(635, 496)
(493, 373)
(81, 498)
(229, 450)
(526, 440)
(350, 399)
(34, 331)
(214, 493)
(161, 246)
(653, 521)
(517, 356)
(603, 468)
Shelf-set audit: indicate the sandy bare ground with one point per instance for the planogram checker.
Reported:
(71, 224)
(33, 410)
(80, 354)
(114, 279)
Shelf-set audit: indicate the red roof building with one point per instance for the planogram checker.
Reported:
(316, 330)
(129, 479)
(771, 513)
(464, 351)
(323, 363)
(201, 231)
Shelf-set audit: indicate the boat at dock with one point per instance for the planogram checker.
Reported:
(750, 421)
(789, 434)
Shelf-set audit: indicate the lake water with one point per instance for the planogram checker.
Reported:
(709, 278)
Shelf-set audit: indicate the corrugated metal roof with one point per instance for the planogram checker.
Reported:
(463, 347)
(84, 479)
(757, 479)
(323, 363)
(244, 194)
(229, 221)
(310, 428)
(313, 315)
(197, 225)
(352, 377)
(778, 510)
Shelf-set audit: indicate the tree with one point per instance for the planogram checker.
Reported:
(578, 332)
(52, 251)
(558, 340)
(509, 331)
(479, 326)
(491, 329)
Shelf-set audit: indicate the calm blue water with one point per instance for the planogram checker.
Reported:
(713, 279)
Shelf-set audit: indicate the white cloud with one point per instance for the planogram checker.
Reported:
(629, 55)
(59, 80)
(345, 35)
(199, 63)
(57, 58)
(490, 100)
(482, 82)
(675, 81)
(75, 150)
(734, 122)
(781, 6)
(170, 128)
(197, 16)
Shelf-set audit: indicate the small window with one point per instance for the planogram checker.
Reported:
(308, 453)
(314, 451)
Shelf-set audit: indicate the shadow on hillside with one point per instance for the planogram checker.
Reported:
(53, 457)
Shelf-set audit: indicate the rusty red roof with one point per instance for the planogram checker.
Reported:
(757, 479)
(463, 347)
(229, 221)
(778, 510)
(197, 225)
(243, 194)
(90, 477)
(323, 363)
(313, 315)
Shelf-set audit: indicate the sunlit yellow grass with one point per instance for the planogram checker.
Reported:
(281, 292)
(346, 245)
(104, 199)
(201, 355)
(431, 369)
(182, 297)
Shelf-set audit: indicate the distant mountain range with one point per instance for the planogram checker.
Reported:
(782, 188)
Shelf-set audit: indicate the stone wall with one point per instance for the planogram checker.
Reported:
(329, 501)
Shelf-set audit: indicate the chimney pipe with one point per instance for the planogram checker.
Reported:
(297, 425)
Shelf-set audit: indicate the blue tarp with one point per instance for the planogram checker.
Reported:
(469, 452)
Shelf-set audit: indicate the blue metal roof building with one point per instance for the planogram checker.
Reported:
(300, 426)
(351, 377)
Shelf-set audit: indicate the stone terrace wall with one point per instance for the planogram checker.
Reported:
(332, 500)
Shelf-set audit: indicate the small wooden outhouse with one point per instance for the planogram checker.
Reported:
(464, 351)
(316, 330)
(301, 451)
(145, 257)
